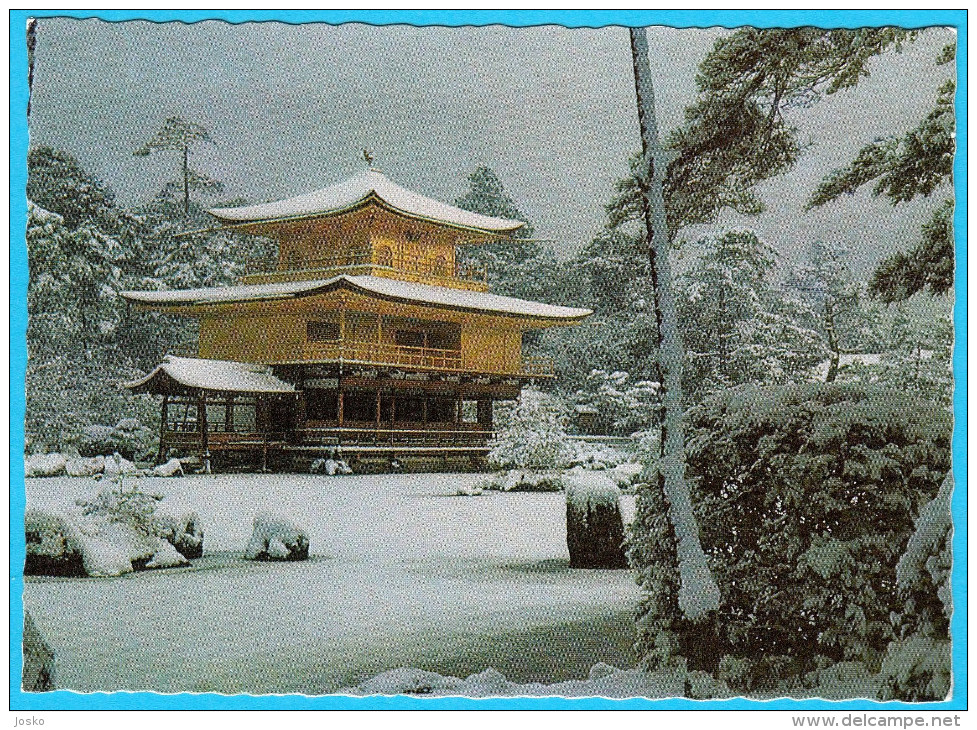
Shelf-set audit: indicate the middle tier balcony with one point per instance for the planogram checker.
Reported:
(430, 359)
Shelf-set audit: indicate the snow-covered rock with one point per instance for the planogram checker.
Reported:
(44, 465)
(603, 681)
(181, 527)
(166, 556)
(38, 672)
(601, 670)
(276, 538)
(82, 467)
(595, 528)
(117, 465)
(63, 544)
(470, 489)
(171, 468)
(330, 467)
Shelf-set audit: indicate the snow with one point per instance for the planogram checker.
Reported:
(847, 359)
(223, 375)
(352, 193)
(275, 537)
(44, 465)
(588, 490)
(401, 573)
(624, 475)
(603, 680)
(171, 468)
(402, 290)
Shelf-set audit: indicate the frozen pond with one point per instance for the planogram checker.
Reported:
(401, 573)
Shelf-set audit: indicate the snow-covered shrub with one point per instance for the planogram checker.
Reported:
(625, 475)
(916, 667)
(522, 480)
(276, 538)
(531, 434)
(128, 437)
(44, 465)
(805, 497)
(595, 456)
(619, 404)
(330, 467)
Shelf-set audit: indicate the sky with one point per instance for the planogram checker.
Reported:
(550, 109)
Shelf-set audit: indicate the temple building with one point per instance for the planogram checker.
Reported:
(370, 336)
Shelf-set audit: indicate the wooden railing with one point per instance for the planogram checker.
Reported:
(361, 261)
(426, 358)
(371, 435)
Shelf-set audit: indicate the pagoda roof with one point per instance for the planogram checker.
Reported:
(369, 186)
(176, 374)
(375, 286)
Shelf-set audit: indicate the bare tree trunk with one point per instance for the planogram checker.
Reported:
(698, 594)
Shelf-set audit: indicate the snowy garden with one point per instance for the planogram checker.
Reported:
(401, 573)
(737, 483)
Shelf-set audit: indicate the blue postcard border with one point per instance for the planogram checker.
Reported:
(67, 700)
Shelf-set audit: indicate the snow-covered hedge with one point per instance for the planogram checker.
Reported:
(805, 498)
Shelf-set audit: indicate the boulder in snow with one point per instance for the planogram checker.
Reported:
(171, 468)
(82, 467)
(38, 672)
(117, 466)
(276, 538)
(44, 465)
(181, 528)
(595, 528)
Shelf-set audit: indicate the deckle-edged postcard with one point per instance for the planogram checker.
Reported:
(409, 356)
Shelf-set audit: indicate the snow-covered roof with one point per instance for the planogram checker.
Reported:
(357, 191)
(219, 375)
(405, 291)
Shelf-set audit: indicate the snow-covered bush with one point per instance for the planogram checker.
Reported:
(276, 538)
(626, 475)
(531, 434)
(524, 480)
(128, 437)
(805, 498)
(597, 456)
(330, 467)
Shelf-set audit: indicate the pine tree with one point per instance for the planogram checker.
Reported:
(180, 135)
(512, 266)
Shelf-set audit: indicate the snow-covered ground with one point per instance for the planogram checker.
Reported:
(401, 573)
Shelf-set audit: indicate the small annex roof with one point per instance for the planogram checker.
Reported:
(356, 192)
(404, 291)
(188, 373)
